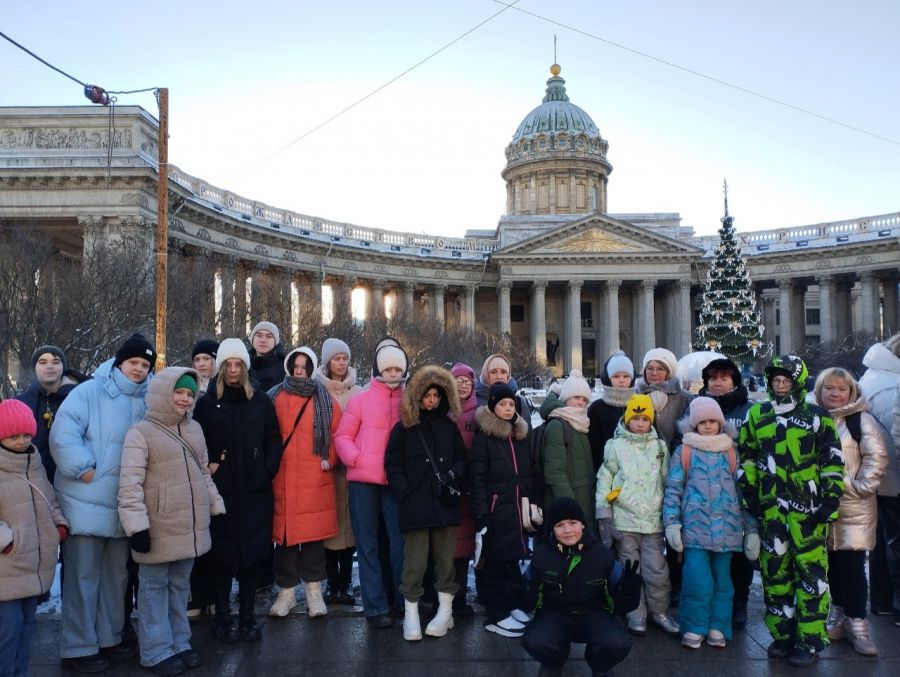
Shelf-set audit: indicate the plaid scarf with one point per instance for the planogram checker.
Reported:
(322, 407)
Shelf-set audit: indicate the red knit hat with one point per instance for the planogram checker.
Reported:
(16, 419)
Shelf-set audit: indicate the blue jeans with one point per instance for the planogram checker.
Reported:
(367, 502)
(706, 592)
(93, 609)
(16, 632)
(163, 628)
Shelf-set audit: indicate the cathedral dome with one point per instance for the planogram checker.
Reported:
(556, 161)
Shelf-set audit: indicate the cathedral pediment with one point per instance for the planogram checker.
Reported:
(597, 236)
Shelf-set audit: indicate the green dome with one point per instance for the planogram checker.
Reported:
(556, 114)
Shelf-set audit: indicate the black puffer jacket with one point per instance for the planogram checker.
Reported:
(499, 475)
(242, 436)
(582, 579)
(410, 474)
(42, 404)
(267, 371)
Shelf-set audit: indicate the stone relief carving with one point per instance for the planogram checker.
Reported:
(350, 265)
(261, 249)
(410, 271)
(380, 268)
(823, 263)
(593, 241)
(473, 276)
(176, 224)
(232, 242)
(864, 259)
(56, 138)
(203, 234)
(783, 268)
(289, 255)
(441, 274)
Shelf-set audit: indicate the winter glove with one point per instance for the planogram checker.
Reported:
(140, 541)
(827, 511)
(673, 537)
(607, 531)
(751, 547)
(628, 596)
(62, 531)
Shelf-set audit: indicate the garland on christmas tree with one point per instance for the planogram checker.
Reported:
(729, 320)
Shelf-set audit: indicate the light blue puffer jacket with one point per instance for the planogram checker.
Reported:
(88, 432)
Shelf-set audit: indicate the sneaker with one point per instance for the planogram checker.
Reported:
(194, 613)
(86, 664)
(170, 666)
(666, 624)
(520, 616)
(637, 626)
(283, 604)
(380, 621)
(801, 658)
(716, 638)
(691, 640)
(780, 648)
(508, 627)
(883, 610)
(190, 658)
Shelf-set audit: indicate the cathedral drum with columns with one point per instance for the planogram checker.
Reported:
(558, 271)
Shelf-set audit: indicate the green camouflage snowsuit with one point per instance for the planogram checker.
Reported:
(791, 480)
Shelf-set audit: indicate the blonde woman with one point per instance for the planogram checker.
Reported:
(865, 458)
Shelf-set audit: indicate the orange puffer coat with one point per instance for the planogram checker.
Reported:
(305, 502)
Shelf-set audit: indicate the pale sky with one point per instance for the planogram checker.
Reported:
(425, 153)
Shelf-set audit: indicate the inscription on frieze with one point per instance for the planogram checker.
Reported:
(47, 138)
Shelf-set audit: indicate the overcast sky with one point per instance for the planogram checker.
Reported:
(425, 153)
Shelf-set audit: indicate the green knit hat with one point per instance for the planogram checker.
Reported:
(188, 381)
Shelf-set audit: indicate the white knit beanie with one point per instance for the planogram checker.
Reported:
(665, 357)
(619, 363)
(490, 362)
(390, 356)
(705, 409)
(268, 326)
(305, 350)
(332, 347)
(575, 385)
(229, 348)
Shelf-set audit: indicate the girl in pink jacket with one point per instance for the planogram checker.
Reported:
(361, 440)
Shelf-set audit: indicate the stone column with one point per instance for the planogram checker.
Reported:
(889, 283)
(768, 307)
(785, 312)
(241, 318)
(539, 320)
(573, 325)
(646, 337)
(469, 322)
(225, 320)
(376, 300)
(798, 332)
(611, 317)
(826, 304)
(843, 320)
(504, 324)
(409, 291)
(438, 293)
(869, 300)
(683, 317)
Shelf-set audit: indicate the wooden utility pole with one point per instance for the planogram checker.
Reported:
(162, 229)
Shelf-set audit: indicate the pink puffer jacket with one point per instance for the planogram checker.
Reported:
(363, 432)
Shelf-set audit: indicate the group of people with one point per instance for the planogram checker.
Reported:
(253, 462)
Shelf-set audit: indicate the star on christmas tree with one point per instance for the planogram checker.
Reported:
(729, 319)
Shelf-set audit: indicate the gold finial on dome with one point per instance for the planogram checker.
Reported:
(555, 69)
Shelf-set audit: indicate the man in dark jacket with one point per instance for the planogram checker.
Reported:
(44, 396)
(722, 382)
(580, 587)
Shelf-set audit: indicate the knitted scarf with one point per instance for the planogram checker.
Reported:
(309, 387)
(575, 416)
(616, 397)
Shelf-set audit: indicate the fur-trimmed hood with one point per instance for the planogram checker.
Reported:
(494, 426)
(418, 385)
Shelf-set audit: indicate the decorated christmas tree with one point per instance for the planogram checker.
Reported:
(729, 320)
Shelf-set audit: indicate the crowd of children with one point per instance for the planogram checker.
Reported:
(651, 497)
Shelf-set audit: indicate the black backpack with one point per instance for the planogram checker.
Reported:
(854, 426)
(538, 483)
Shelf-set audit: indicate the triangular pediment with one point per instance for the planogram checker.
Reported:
(597, 235)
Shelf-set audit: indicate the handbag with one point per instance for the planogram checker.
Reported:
(448, 495)
(532, 515)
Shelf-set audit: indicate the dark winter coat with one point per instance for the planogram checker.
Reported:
(42, 404)
(242, 436)
(410, 474)
(267, 371)
(499, 475)
(604, 415)
(583, 578)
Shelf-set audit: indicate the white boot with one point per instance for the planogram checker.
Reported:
(412, 628)
(315, 603)
(443, 619)
(286, 601)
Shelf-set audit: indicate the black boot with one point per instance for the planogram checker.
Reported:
(247, 612)
(344, 591)
(331, 570)
(222, 625)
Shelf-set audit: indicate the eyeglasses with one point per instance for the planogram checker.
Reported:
(463, 382)
(781, 381)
